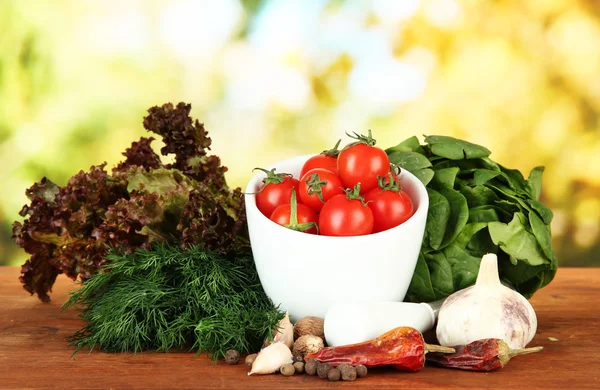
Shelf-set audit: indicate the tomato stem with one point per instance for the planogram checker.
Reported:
(294, 225)
(361, 139)
(333, 152)
(392, 185)
(354, 194)
(315, 186)
(272, 177)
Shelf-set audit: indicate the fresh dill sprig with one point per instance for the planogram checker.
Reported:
(167, 298)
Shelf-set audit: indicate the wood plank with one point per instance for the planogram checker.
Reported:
(34, 351)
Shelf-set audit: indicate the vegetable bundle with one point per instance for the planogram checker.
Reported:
(166, 298)
(476, 206)
(68, 229)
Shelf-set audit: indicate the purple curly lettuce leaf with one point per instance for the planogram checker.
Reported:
(187, 140)
(57, 227)
(86, 197)
(38, 274)
(215, 220)
(45, 189)
(151, 214)
(140, 154)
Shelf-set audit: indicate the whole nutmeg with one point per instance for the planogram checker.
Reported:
(250, 359)
(308, 344)
(348, 373)
(311, 367)
(299, 367)
(334, 374)
(323, 370)
(361, 371)
(287, 370)
(232, 356)
(309, 326)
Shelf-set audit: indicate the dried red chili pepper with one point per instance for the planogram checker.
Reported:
(402, 348)
(480, 355)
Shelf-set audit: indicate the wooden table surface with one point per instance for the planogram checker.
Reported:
(34, 351)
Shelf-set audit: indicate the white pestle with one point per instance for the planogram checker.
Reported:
(350, 323)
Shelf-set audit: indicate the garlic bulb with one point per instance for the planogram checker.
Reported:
(284, 332)
(271, 358)
(486, 310)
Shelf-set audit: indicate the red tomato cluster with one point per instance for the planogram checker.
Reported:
(351, 192)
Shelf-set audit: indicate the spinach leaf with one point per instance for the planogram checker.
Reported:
(482, 176)
(543, 211)
(541, 232)
(534, 182)
(514, 239)
(444, 177)
(437, 218)
(467, 233)
(464, 266)
(520, 272)
(441, 274)
(525, 204)
(415, 163)
(481, 243)
(514, 178)
(420, 288)
(459, 214)
(455, 149)
(509, 209)
(467, 167)
(408, 145)
(483, 214)
(478, 195)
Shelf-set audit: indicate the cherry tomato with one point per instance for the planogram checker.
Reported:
(317, 186)
(346, 215)
(390, 205)
(362, 162)
(296, 216)
(276, 190)
(327, 159)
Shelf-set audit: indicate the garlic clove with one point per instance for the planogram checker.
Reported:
(271, 358)
(283, 332)
(486, 310)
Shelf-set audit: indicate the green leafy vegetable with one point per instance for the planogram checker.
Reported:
(168, 298)
(454, 149)
(515, 239)
(420, 285)
(414, 162)
(439, 210)
(476, 206)
(67, 229)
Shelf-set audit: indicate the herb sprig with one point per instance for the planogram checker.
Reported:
(167, 298)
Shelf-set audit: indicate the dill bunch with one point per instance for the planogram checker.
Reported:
(167, 298)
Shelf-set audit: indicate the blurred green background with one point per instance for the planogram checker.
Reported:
(274, 79)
